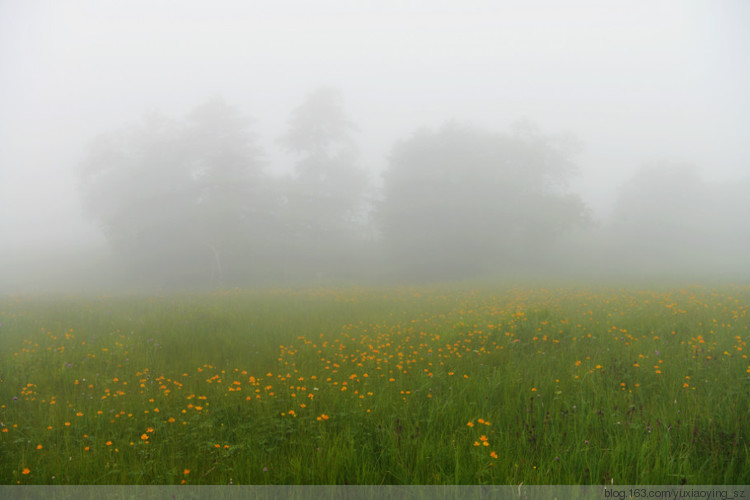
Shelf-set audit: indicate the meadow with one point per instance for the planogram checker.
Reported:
(442, 385)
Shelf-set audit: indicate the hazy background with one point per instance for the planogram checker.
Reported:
(637, 83)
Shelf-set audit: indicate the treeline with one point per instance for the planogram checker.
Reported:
(188, 202)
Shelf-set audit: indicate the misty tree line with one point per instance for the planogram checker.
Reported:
(188, 203)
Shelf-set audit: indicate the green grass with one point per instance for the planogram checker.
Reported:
(378, 386)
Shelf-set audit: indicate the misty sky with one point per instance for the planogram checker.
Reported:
(635, 81)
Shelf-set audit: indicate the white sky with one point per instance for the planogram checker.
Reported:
(635, 81)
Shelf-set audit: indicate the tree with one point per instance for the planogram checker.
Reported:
(319, 127)
(668, 219)
(325, 197)
(178, 199)
(235, 207)
(461, 201)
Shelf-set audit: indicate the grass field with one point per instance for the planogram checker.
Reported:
(378, 386)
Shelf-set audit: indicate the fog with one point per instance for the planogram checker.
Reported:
(214, 144)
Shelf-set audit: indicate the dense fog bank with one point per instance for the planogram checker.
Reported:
(160, 146)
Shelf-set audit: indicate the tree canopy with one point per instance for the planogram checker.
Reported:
(326, 195)
(186, 202)
(460, 201)
(176, 198)
(667, 218)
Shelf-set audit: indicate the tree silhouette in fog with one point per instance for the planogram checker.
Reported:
(667, 218)
(325, 196)
(186, 202)
(460, 201)
(179, 200)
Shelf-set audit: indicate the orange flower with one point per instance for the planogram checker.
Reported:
(144, 436)
(493, 455)
(186, 471)
(25, 471)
